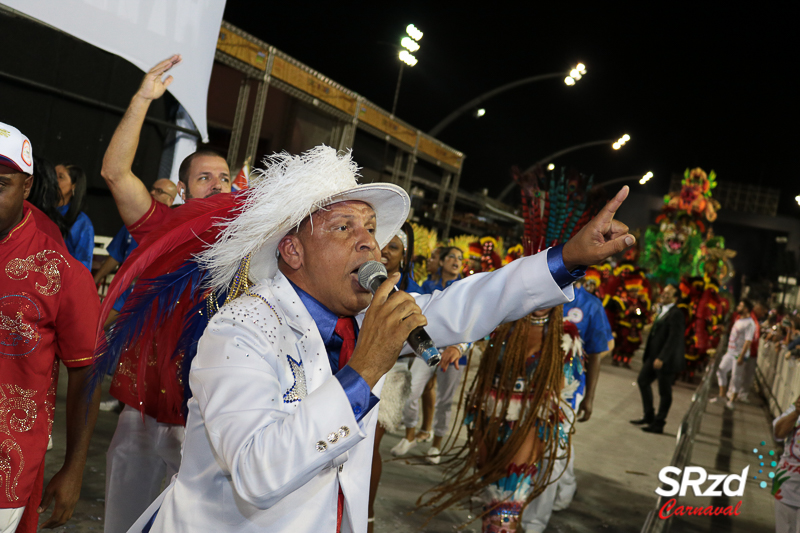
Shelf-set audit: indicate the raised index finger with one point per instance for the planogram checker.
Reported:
(606, 215)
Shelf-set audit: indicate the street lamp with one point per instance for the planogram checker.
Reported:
(410, 43)
(575, 74)
(579, 70)
(480, 112)
(642, 180)
(797, 199)
(551, 166)
(617, 144)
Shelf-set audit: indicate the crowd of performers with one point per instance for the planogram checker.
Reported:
(214, 326)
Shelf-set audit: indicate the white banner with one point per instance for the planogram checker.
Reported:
(145, 32)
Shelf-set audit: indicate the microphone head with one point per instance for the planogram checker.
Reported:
(369, 271)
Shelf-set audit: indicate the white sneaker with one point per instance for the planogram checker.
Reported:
(402, 447)
(730, 405)
(109, 405)
(715, 399)
(434, 455)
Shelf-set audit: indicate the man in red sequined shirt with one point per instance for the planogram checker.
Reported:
(146, 446)
(48, 313)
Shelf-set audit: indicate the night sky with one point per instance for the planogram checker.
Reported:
(697, 86)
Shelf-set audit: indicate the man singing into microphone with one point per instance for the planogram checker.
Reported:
(287, 377)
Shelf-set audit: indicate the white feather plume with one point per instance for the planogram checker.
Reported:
(285, 192)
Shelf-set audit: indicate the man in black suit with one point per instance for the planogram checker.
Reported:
(663, 359)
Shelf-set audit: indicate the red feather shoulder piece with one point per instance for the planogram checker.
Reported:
(194, 226)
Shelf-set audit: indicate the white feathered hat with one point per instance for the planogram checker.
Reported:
(281, 196)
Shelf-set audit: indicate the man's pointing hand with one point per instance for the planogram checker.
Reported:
(601, 238)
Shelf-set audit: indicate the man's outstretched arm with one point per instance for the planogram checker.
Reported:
(132, 197)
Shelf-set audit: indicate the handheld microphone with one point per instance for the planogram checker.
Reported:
(370, 276)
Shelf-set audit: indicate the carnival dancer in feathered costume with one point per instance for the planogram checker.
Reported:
(521, 407)
(677, 252)
(630, 307)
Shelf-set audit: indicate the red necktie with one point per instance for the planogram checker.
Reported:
(344, 328)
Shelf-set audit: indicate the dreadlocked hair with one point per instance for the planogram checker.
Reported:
(486, 456)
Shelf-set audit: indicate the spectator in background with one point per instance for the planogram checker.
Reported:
(45, 195)
(744, 375)
(741, 336)
(451, 259)
(434, 264)
(786, 483)
(80, 232)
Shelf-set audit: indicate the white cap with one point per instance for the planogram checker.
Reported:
(15, 149)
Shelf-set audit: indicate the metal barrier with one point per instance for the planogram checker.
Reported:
(778, 376)
(685, 442)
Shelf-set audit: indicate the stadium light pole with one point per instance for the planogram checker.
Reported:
(573, 76)
(616, 144)
(409, 44)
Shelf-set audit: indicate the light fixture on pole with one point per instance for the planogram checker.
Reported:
(621, 142)
(410, 43)
(551, 166)
(797, 199)
(575, 74)
(469, 107)
(480, 112)
(645, 178)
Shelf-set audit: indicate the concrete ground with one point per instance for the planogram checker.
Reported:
(616, 465)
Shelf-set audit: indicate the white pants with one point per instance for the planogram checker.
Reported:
(556, 496)
(726, 368)
(141, 455)
(787, 518)
(9, 519)
(446, 387)
(743, 375)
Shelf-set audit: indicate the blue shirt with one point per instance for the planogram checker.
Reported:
(358, 392)
(120, 248)
(412, 285)
(121, 245)
(586, 311)
(80, 239)
(428, 286)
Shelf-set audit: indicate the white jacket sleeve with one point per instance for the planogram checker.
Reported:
(470, 309)
(269, 449)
